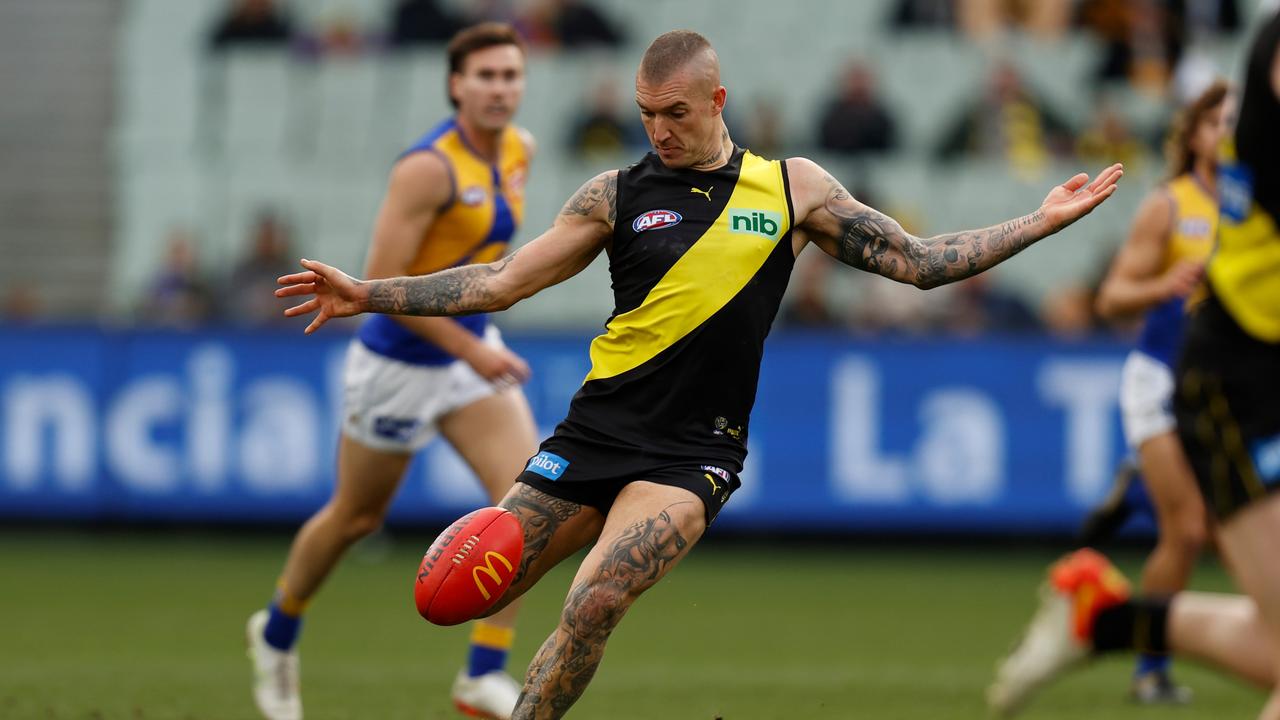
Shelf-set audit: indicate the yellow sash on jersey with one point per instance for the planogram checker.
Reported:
(709, 274)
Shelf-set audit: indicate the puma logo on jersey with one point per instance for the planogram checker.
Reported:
(714, 487)
(706, 192)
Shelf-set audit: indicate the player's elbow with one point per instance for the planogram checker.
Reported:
(1105, 306)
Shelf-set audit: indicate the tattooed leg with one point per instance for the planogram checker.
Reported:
(554, 529)
(650, 528)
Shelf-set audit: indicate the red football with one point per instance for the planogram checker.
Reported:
(469, 566)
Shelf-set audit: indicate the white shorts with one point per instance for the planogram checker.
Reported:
(394, 406)
(1146, 398)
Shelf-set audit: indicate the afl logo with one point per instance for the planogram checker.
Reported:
(656, 220)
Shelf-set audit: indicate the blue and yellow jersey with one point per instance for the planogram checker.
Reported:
(1245, 268)
(1195, 223)
(476, 224)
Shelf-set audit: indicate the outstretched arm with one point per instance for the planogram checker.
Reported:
(580, 232)
(864, 238)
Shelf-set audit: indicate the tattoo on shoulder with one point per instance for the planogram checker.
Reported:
(602, 188)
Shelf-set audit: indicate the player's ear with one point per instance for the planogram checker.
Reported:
(454, 79)
(718, 99)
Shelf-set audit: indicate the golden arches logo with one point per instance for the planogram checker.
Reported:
(490, 570)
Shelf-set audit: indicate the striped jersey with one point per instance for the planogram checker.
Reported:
(699, 263)
(482, 214)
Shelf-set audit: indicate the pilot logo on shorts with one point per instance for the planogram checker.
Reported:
(548, 465)
(656, 220)
(472, 196)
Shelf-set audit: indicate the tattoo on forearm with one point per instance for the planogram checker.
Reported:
(602, 188)
(875, 242)
(457, 291)
(569, 658)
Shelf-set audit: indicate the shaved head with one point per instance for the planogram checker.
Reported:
(681, 99)
(677, 50)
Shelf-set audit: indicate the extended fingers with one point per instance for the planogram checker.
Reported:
(316, 323)
(303, 309)
(299, 289)
(1076, 182)
(1107, 177)
(298, 277)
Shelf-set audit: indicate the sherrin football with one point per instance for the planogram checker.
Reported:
(469, 566)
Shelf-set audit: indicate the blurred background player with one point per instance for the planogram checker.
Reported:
(1158, 272)
(1227, 403)
(454, 198)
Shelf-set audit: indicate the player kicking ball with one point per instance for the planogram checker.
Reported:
(701, 236)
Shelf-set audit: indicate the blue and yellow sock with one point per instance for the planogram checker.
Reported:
(1150, 663)
(489, 647)
(284, 619)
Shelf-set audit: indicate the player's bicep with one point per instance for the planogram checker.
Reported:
(419, 187)
(1143, 252)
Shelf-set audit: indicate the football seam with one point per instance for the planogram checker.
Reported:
(453, 567)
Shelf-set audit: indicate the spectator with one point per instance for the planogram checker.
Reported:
(422, 22)
(763, 131)
(856, 121)
(985, 19)
(808, 305)
(1008, 121)
(20, 306)
(978, 306)
(177, 296)
(923, 15)
(251, 22)
(269, 257)
(603, 131)
(1108, 140)
(579, 25)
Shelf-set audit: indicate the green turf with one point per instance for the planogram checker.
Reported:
(144, 627)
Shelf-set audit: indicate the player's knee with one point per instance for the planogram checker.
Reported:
(357, 524)
(596, 607)
(1190, 535)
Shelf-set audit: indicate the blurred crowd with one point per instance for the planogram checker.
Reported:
(1143, 47)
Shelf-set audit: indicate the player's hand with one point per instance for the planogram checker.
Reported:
(1073, 199)
(1182, 279)
(335, 294)
(498, 365)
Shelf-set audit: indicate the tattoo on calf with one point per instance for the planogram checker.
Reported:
(569, 658)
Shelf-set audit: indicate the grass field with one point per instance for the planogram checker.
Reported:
(150, 626)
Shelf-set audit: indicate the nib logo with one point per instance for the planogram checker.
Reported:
(755, 222)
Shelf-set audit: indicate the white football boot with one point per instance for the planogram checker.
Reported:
(275, 674)
(1046, 650)
(492, 696)
(1058, 638)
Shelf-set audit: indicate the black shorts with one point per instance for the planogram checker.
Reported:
(1227, 404)
(593, 475)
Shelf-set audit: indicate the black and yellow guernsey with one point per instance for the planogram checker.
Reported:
(699, 263)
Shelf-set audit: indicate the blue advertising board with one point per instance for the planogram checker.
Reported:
(984, 435)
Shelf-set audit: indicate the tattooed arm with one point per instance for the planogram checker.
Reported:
(579, 233)
(860, 236)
